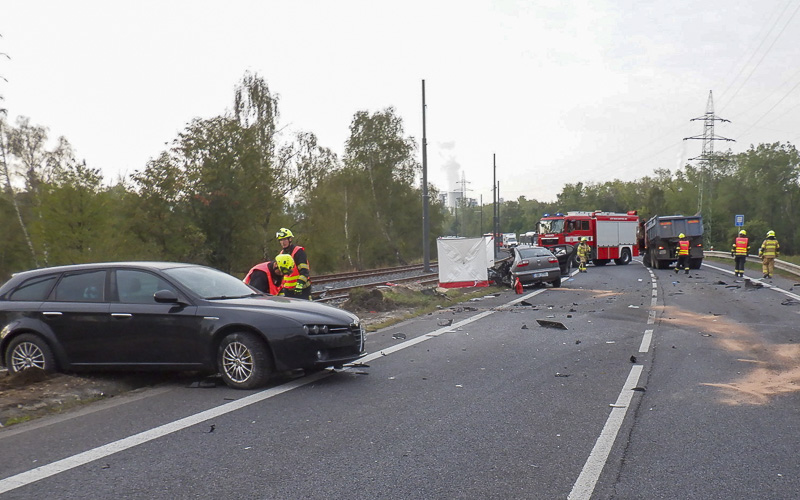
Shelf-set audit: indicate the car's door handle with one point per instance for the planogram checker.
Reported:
(121, 315)
(52, 314)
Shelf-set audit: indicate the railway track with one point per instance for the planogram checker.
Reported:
(337, 286)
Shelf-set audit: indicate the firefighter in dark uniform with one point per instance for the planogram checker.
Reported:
(768, 252)
(739, 251)
(267, 277)
(301, 275)
(683, 254)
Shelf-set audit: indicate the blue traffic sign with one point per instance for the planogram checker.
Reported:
(739, 220)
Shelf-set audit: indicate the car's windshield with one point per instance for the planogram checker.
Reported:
(209, 283)
(551, 226)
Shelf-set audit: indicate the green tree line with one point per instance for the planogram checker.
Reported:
(218, 194)
(221, 189)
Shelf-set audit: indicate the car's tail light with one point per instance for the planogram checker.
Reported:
(552, 260)
(523, 263)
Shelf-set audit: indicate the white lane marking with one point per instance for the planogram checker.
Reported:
(648, 337)
(51, 469)
(98, 406)
(651, 317)
(758, 280)
(63, 465)
(584, 485)
(39, 473)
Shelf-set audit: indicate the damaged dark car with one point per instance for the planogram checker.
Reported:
(167, 316)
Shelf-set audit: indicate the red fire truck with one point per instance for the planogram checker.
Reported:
(612, 236)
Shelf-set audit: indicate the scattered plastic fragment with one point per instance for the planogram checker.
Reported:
(551, 324)
(399, 336)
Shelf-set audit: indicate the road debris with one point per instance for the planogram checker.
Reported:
(399, 336)
(551, 324)
(748, 283)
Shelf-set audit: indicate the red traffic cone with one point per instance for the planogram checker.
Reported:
(517, 286)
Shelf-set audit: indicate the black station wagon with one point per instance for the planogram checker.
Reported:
(166, 316)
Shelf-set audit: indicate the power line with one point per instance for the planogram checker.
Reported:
(753, 54)
(766, 52)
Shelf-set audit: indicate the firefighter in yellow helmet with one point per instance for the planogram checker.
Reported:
(300, 277)
(769, 251)
(584, 251)
(267, 277)
(683, 254)
(739, 251)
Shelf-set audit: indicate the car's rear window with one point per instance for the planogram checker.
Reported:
(34, 289)
(527, 253)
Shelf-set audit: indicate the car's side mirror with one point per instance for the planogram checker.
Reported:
(166, 296)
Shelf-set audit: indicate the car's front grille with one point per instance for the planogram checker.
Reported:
(355, 329)
(359, 334)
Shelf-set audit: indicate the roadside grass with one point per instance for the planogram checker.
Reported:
(406, 303)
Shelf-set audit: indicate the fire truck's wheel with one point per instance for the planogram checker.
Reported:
(600, 262)
(624, 258)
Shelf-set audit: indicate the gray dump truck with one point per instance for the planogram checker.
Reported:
(660, 236)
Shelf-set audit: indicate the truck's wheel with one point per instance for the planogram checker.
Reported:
(646, 259)
(695, 263)
(624, 258)
(654, 262)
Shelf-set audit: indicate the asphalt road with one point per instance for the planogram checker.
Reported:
(661, 386)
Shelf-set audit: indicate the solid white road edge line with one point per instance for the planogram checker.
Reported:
(759, 280)
(44, 471)
(584, 485)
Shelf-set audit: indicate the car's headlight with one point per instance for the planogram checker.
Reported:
(315, 329)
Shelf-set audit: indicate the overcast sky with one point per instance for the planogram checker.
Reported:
(561, 91)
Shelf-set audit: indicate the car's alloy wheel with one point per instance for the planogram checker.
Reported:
(29, 351)
(244, 361)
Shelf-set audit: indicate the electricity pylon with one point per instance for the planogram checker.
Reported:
(706, 156)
